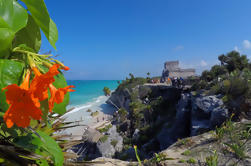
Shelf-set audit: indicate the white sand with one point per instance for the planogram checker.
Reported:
(83, 119)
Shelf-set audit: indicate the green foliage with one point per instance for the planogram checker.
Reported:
(32, 35)
(107, 91)
(232, 79)
(238, 149)
(122, 114)
(105, 129)
(20, 39)
(131, 83)
(234, 137)
(212, 160)
(219, 132)
(182, 161)
(11, 72)
(191, 161)
(234, 61)
(60, 82)
(186, 153)
(13, 17)
(43, 145)
(137, 155)
(114, 142)
(41, 16)
(207, 75)
(103, 138)
(218, 70)
(95, 113)
(184, 142)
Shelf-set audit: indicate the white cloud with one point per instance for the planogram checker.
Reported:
(246, 44)
(236, 48)
(203, 63)
(180, 47)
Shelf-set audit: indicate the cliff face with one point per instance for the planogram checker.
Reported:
(123, 97)
(196, 151)
(178, 115)
(176, 125)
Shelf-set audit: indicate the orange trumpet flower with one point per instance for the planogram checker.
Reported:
(40, 84)
(57, 95)
(23, 106)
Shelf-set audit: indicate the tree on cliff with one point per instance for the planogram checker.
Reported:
(107, 91)
(233, 61)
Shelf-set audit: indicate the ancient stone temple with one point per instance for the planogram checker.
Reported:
(172, 69)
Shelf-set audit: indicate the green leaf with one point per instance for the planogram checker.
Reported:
(53, 148)
(12, 15)
(42, 144)
(42, 162)
(10, 73)
(6, 37)
(30, 35)
(41, 16)
(60, 82)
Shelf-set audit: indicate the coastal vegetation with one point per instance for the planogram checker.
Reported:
(231, 79)
(107, 91)
(105, 129)
(93, 114)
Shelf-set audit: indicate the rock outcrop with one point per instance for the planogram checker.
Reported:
(207, 113)
(196, 148)
(193, 114)
(114, 143)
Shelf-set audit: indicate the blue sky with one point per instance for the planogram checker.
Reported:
(107, 39)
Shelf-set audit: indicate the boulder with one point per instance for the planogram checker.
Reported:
(207, 113)
(107, 149)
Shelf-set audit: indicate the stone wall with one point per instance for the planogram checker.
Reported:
(171, 69)
(182, 73)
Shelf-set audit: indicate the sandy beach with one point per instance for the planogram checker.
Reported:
(81, 117)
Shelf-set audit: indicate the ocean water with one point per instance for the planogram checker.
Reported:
(89, 90)
(88, 95)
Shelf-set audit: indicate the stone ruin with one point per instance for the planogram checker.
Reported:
(172, 69)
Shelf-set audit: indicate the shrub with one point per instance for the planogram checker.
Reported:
(105, 129)
(191, 161)
(182, 161)
(122, 114)
(95, 113)
(103, 138)
(212, 160)
(107, 91)
(131, 83)
(186, 153)
(114, 143)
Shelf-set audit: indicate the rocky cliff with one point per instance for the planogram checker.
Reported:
(179, 115)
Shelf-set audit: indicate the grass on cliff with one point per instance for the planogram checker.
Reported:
(132, 82)
(105, 129)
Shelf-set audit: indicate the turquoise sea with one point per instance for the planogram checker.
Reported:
(89, 95)
(89, 90)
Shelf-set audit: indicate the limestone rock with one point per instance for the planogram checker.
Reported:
(207, 113)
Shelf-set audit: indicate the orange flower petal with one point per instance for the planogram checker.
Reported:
(57, 95)
(40, 84)
(23, 106)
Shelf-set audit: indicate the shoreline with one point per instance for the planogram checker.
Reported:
(83, 119)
